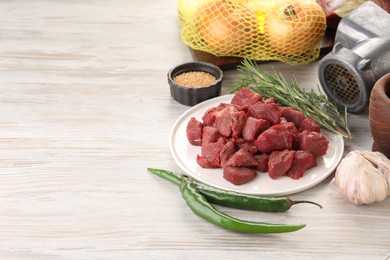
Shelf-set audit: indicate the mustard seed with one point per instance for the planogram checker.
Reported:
(194, 79)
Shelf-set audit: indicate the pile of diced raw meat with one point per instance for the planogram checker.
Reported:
(251, 134)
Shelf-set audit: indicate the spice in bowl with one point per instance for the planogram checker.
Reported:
(194, 82)
(194, 79)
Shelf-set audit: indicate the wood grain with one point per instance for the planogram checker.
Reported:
(85, 108)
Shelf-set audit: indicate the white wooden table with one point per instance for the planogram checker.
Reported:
(85, 108)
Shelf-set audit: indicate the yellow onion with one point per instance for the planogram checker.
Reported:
(295, 27)
(227, 28)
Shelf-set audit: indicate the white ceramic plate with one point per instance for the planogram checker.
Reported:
(184, 155)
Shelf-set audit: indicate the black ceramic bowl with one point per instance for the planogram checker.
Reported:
(191, 96)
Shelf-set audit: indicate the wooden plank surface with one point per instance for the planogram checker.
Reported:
(85, 108)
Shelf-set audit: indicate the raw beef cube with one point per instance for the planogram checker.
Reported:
(211, 115)
(293, 115)
(231, 122)
(194, 131)
(262, 160)
(310, 125)
(250, 147)
(276, 137)
(205, 163)
(313, 142)
(246, 97)
(253, 128)
(242, 158)
(302, 161)
(269, 112)
(210, 134)
(279, 163)
(238, 175)
(211, 151)
(224, 123)
(227, 152)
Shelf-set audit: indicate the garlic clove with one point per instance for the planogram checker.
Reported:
(360, 180)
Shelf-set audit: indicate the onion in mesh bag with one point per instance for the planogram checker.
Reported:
(294, 27)
(227, 28)
(286, 30)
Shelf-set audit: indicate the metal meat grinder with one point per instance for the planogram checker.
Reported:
(360, 56)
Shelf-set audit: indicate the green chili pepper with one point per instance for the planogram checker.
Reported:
(234, 199)
(248, 202)
(169, 176)
(205, 210)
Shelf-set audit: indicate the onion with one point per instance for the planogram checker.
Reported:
(227, 28)
(295, 27)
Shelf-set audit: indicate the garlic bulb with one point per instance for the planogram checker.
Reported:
(363, 177)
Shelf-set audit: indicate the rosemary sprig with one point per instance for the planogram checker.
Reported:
(312, 104)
